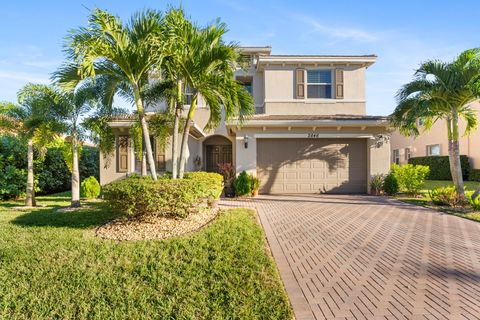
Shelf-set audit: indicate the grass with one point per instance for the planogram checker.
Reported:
(425, 201)
(52, 266)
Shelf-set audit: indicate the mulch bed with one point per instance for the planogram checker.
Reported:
(155, 228)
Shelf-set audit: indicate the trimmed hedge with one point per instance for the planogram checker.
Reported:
(474, 175)
(90, 188)
(141, 196)
(440, 166)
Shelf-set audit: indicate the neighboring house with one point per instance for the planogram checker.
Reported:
(435, 143)
(310, 133)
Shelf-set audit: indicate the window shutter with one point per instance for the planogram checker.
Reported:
(160, 156)
(122, 154)
(300, 84)
(339, 84)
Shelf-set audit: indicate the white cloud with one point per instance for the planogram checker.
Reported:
(335, 32)
(24, 76)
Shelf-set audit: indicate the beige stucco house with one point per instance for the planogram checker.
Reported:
(310, 133)
(434, 142)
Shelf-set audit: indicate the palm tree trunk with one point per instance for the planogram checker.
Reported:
(186, 131)
(75, 174)
(454, 157)
(30, 194)
(176, 124)
(143, 171)
(146, 135)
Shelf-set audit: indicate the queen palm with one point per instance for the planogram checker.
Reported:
(68, 108)
(206, 64)
(442, 91)
(29, 119)
(127, 52)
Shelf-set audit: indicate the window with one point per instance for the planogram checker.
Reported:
(248, 87)
(158, 155)
(319, 84)
(189, 92)
(433, 150)
(421, 122)
(408, 154)
(396, 156)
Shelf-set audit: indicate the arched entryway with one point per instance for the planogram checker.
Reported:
(217, 149)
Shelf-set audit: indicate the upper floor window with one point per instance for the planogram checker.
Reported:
(433, 150)
(188, 92)
(408, 154)
(396, 156)
(319, 84)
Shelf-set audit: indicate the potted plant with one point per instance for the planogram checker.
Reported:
(255, 182)
(228, 172)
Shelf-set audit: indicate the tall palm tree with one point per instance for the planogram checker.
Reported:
(30, 119)
(442, 91)
(127, 52)
(206, 64)
(68, 108)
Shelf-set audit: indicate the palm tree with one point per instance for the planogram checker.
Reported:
(30, 119)
(126, 52)
(69, 107)
(442, 91)
(204, 63)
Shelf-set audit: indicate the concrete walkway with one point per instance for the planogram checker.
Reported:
(363, 257)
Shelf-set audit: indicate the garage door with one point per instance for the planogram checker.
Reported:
(312, 165)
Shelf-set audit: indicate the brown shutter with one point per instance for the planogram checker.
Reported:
(122, 154)
(300, 84)
(160, 156)
(339, 83)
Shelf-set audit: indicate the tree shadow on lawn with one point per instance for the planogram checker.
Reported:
(94, 215)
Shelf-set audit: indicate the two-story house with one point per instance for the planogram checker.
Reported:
(310, 133)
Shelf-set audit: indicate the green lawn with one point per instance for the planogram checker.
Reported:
(424, 199)
(52, 266)
(430, 184)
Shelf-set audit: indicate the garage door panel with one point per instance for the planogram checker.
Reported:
(312, 165)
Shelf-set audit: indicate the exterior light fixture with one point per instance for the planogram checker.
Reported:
(245, 141)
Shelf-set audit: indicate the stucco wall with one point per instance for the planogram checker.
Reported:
(469, 145)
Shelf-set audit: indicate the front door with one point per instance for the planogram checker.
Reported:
(217, 154)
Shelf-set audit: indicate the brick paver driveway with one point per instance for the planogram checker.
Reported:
(362, 257)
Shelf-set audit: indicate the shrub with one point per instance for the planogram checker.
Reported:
(411, 178)
(243, 185)
(474, 203)
(440, 166)
(209, 184)
(13, 167)
(141, 196)
(52, 173)
(255, 183)
(227, 170)
(446, 196)
(89, 163)
(390, 185)
(474, 175)
(376, 183)
(90, 188)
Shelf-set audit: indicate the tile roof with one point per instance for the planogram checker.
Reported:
(319, 117)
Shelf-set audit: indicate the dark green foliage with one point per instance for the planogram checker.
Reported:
(90, 188)
(51, 269)
(13, 173)
(474, 175)
(52, 173)
(89, 163)
(390, 185)
(440, 166)
(141, 196)
(446, 196)
(243, 185)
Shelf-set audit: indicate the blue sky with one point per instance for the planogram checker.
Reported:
(401, 33)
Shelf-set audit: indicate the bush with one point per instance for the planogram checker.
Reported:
(13, 167)
(90, 188)
(243, 185)
(141, 196)
(474, 175)
(89, 163)
(440, 166)
(254, 182)
(209, 184)
(376, 183)
(52, 173)
(411, 178)
(474, 203)
(446, 196)
(390, 185)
